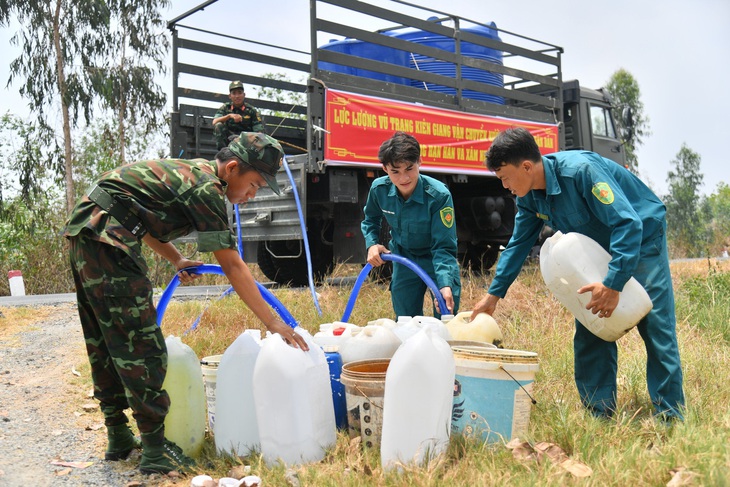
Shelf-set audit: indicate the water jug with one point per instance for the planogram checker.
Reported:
(406, 327)
(236, 429)
(419, 385)
(334, 361)
(335, 334)
(483, 328)
(185, 422)
(372, 342)
(386, 322)
(572, 260)
(290, 388)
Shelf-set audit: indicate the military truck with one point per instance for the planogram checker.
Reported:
(374, 67)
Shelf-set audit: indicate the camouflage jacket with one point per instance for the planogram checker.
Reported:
(171, 197)
(251, 119)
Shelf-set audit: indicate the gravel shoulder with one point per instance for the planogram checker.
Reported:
(46, 412)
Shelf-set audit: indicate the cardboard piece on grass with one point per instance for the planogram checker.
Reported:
(524, 451)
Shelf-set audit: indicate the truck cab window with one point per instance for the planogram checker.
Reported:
(601, 122)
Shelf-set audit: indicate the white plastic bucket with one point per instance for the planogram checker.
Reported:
(209, 367)
(492, 392)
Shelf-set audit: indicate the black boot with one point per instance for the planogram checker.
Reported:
(164, 458)
(121, 442)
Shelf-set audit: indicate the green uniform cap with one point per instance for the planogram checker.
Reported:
(262, 152)
(235, 85)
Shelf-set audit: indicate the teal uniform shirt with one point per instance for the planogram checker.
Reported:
(589, 194)
(423, 230)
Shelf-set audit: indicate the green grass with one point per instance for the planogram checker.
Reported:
(631, 449)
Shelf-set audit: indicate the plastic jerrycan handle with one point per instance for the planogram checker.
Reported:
(399, 260)
(216, 269)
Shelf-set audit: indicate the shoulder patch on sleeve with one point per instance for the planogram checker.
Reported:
(447, 216)
(603, 193)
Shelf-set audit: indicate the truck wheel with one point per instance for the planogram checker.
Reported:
(293, 270)
(480, 258)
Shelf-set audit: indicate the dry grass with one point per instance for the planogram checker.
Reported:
(630, 449)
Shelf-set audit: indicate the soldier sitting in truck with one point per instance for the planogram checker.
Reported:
(235, 117)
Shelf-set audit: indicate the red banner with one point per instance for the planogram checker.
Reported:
(450, 140)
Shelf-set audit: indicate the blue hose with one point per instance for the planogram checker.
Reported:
(304, 236)
(238, 232)
(216, 269)
(399, 260)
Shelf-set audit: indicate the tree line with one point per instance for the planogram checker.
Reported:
(91, 66)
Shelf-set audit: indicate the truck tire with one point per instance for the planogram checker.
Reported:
(480, 258)
(293, 270)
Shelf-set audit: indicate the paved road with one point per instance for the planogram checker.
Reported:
(181, 293)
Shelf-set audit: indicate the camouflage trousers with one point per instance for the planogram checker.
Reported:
(126, 348)
(222, 133)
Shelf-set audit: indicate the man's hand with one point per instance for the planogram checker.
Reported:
(374, 252)
(448, 298)
(185, 277)
(235, 117)
(287, 333)
(488, 304)
(603, 299)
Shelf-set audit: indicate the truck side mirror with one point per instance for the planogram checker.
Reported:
(627, 120)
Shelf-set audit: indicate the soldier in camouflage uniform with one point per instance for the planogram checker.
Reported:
(155, 202)
(235, 117)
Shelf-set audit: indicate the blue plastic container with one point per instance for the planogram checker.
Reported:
(367, 50)
(334, 360)
(437, 66)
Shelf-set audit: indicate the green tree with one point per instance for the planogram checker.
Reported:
(633, 123)
(126, 80)
(685, 226)
(77, 53)
(58, 40)
(718, 209)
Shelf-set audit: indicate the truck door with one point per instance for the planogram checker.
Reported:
(603, 134)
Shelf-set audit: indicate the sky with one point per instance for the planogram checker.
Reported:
(677, 50)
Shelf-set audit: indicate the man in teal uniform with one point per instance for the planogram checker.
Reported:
(580, 191)
(155, 202)
(235, 117)
(420, 212)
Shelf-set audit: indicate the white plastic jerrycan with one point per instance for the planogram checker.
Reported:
(185, 422)
(236, 429)
(572, 260)
(293, 400)
(417, 404)
(335, 334)
(372, 342)
(483, 328)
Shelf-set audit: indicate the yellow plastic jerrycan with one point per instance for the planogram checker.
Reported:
(482, 329)
(186, 420)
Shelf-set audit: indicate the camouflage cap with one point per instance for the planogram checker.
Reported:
(262, 152)
(235, 85)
